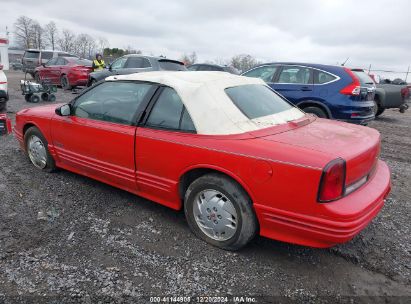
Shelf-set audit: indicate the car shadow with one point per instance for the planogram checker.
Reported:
(387, 119)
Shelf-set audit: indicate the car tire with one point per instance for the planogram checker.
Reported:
(316, 111)
(34, 98)
(36, 147)
(65, 83)
(3, 106)
(229, 228)
(45, 96)
(27, 97)
(52, 98)
(92, 82)
(378, 110)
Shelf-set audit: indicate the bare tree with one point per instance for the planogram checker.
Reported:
(51, 34)
(23, 31)
(85, 46)
(92, 46)
(189, 59)
(102, 43)
(243, 62)
(130, 50)
(66, 41)
(37, 34)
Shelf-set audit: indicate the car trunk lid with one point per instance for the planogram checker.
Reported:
(359, 146)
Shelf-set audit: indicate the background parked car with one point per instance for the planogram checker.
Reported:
(68, 72)
(212, 67)
(326, 91)
(4, 96)
(133, 63)
(33, 58)
(387, 94)
(16, 66)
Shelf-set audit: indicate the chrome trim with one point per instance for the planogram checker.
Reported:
(297, 65)
(354, 186)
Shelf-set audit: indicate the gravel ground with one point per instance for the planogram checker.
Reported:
(94, 242)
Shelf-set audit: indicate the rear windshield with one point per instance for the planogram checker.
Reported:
(65, 55)
(364, 77)
(256, 100)
(31, 54)
(46, 55)
(171, 65)
(85, 62)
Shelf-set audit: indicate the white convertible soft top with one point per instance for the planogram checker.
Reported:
(210, 108)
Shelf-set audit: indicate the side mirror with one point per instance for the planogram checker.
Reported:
(44, 65)
(109, 67)
(64, 110)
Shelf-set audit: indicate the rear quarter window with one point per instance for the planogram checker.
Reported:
(321, 77)
(46, 55)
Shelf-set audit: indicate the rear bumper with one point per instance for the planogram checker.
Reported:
(358, 112)
(78, 80)
(340, 220)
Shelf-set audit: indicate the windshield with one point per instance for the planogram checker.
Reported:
(256, 100)
(171, 65)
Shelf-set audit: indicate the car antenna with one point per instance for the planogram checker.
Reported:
(342, 64)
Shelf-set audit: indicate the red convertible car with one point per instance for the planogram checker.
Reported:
(230, 151)
(68, 72)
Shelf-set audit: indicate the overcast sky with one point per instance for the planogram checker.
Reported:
(372, 32)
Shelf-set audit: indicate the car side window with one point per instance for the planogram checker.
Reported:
(61, 61)
(170, 113)
(295, 75)
(119, 63)
(51, 62)
(323, 77)
(46, 55)
(115, 102)
(137, 63)
(266, 73)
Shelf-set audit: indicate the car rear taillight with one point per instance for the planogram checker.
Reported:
(354, 88)
(5, 125)
(332, 183)
(405, 93)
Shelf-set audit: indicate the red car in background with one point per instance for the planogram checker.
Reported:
(68, 72)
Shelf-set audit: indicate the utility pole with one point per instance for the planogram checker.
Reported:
(406, 75)
(369, 69)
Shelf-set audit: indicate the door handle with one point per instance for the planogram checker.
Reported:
(305, 89)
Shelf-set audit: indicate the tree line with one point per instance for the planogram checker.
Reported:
(242, 62)
(29, 33)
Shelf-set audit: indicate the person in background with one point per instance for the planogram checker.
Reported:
(98, 63)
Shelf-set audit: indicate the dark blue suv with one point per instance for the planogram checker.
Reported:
(326, 91)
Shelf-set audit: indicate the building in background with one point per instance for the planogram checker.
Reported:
(15, 55)
(4, 47)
